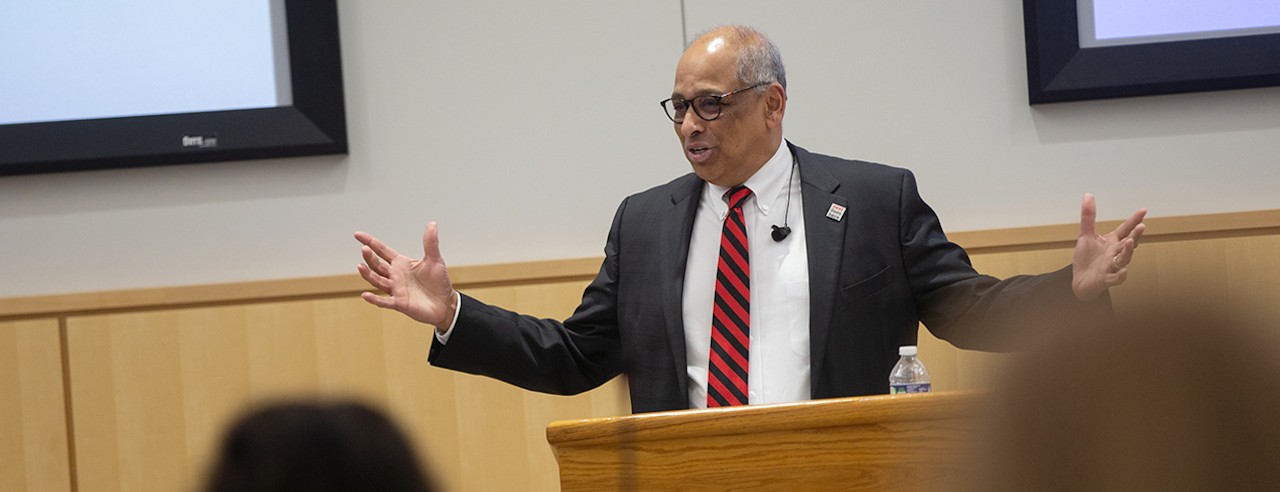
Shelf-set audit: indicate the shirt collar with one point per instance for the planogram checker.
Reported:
(768, 182)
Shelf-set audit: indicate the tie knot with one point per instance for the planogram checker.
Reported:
(737, 195)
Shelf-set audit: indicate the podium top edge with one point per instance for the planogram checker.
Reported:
(813, 414)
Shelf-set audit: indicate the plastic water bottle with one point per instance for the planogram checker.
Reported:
(909, 374)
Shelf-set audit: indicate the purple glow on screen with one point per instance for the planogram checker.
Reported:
(82, 59)
(1158, 20)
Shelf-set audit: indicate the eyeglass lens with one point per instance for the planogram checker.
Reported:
(707, 108)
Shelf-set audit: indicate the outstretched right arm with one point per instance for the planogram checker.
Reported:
(543, 355)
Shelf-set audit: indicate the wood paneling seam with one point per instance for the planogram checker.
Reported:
(64, 347)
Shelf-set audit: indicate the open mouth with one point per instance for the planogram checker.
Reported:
(697, 152)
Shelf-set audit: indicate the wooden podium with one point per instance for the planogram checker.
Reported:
(906, 442)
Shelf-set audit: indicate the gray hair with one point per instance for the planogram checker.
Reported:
(759, 61)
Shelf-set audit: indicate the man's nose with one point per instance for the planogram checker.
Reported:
(691, 124)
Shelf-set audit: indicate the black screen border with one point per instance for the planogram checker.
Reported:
(1059, 70)
(314, 124)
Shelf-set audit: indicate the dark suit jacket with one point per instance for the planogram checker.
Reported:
(873, 275)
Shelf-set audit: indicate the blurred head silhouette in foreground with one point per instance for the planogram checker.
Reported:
(1173, 398)
(316, 447)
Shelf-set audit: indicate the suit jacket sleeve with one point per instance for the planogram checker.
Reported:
(542, 355)
(975, 311)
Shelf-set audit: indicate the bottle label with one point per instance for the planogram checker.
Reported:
(895, 389)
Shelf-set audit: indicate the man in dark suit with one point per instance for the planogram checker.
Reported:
(701, 305)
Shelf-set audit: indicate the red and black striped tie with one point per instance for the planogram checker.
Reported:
(731, 314)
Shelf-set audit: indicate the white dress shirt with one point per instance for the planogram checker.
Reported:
(779, 352)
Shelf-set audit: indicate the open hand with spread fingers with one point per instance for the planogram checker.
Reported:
(1101, 261)
(418, 288)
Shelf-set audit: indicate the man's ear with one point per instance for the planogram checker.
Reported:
(775, 104)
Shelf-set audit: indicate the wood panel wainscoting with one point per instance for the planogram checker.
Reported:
(130, 390)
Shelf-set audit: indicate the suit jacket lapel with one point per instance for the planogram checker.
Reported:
(676, 233)
(825, 239)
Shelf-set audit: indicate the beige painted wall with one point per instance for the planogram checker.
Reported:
(520, 126)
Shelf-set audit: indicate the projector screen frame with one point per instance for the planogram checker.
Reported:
(1059, 70)
(313, 124)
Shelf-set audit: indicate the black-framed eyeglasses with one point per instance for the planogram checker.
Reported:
(707, 107)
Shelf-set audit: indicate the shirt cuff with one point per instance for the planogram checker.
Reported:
(444, 338)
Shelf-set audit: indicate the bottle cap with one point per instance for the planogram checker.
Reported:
(907, 350)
